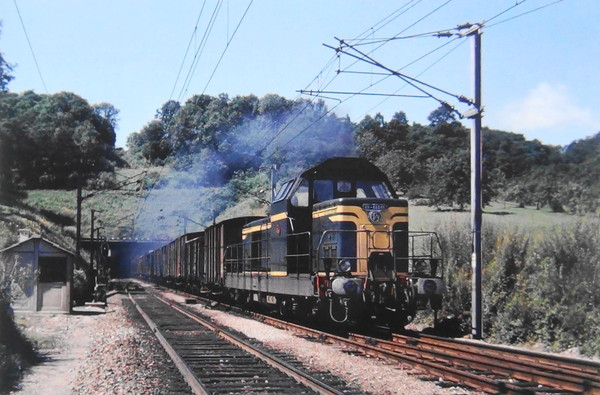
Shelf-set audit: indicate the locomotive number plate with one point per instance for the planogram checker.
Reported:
(374, 207)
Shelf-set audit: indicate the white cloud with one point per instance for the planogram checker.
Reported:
(549, 113)
(546, 106)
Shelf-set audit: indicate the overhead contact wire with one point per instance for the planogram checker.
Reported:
(227, 46)
(37, 66)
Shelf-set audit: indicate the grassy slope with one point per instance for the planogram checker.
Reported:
(54, 212)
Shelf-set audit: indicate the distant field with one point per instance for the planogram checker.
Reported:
(167, 208)
(504, 214)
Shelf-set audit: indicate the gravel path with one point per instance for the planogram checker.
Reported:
(91, 353)
(115, 353)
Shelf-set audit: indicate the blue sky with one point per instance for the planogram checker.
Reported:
(540, 73)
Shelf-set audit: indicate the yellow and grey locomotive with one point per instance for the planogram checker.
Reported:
(336, 244)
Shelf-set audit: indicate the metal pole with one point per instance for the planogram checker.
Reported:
(78, 231)
(92, 245)
(272, 183)
(476, 169)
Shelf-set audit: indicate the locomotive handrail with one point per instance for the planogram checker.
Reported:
(300, 252)
(434, 255)
(240, 261)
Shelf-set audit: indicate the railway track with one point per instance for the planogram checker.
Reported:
(483, 367)
(515, 366)
(477, 365)
(216, 360)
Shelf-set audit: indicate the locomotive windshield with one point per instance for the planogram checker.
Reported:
(372, 189)
(327, 189)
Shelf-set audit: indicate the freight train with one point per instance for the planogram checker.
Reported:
(336, 246)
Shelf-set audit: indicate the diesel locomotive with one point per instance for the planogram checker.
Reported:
(336, 246)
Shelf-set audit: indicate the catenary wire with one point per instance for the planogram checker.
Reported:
(273, 138)
(200, 50)
(187, 50)
(462, 42)
(37, 66)
(525, 13)
(184, 87)
(227, 46)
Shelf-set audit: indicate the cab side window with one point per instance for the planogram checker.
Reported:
(300, 197)
(283, 191)
(323, 190)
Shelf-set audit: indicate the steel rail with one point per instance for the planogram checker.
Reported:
(448, 359)
(444, 371)
(573, 365)
(506, 368)
(451, 366)
(296, 374)
(188, 375)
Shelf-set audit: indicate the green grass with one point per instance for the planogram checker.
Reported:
(504, 214)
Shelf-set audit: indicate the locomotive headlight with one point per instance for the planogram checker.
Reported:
(345, 265)
(347, 286)
(429, 286)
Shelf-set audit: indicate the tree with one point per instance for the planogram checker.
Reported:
(16, 350)
(400, 116)
(107, 112)
(151, 142)
(5, 70)
(168, 111)
(449, 179)
(54, 141)
(443, 114)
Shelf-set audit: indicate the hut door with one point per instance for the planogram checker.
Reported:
(52, 288)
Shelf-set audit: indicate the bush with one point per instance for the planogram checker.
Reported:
(533, 290)
(16, 352)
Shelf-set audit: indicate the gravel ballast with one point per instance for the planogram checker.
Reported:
(116, 353)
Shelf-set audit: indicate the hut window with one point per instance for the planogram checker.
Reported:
(53, 269)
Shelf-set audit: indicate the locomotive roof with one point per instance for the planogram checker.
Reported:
(344, 168)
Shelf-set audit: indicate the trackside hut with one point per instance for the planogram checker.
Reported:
(41, 274)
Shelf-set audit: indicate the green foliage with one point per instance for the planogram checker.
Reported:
(434, 162)
(455, 241)
(53, 141)
(502, 272)
(536, 287)
(16, 352)
(5, 70)
(253, 185)
(219, 137)
(444, 114)
(448, 178)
